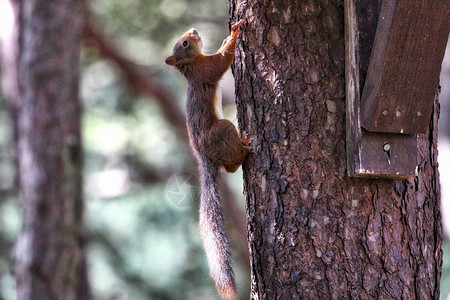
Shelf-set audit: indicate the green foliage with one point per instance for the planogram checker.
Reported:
(9, 213)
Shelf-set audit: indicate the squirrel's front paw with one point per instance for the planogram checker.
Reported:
(235, 27)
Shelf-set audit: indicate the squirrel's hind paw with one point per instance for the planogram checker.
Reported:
(244, 138)
(247, 142)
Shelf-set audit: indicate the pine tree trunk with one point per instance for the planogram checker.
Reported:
(44, 62)
(314, 232)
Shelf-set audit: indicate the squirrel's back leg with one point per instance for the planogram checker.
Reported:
(233, 164)
(229, 150)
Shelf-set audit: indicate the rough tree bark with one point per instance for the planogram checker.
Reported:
(42, 57)
(313, 232)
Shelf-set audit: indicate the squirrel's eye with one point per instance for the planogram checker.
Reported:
(185, 44)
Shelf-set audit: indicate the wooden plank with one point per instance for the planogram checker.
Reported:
(404, 69)
(366, 151)
(388, 155)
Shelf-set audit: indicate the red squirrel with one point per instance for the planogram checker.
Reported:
(215, 142)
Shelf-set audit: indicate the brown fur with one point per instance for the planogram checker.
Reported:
(215, 143)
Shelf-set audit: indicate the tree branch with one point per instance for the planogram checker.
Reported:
(139, 79)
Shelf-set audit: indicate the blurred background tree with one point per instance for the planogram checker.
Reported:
(140, 187)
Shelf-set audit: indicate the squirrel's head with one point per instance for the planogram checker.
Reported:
(188, 47)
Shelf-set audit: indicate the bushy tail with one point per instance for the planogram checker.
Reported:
(213, 233)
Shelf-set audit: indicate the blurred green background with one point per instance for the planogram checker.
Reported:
(141, 204)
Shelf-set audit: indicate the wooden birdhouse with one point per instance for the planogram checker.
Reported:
(394, 51)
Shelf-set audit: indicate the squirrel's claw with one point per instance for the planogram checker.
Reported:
(246, 141)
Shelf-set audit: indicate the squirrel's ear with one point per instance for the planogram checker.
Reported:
(171, 60)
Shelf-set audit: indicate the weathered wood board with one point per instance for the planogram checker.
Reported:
(370, 154)
(404, 68)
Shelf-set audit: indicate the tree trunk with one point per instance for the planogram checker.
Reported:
(44, 62)
(314, 232)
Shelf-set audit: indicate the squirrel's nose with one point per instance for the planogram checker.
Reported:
(194, 31)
